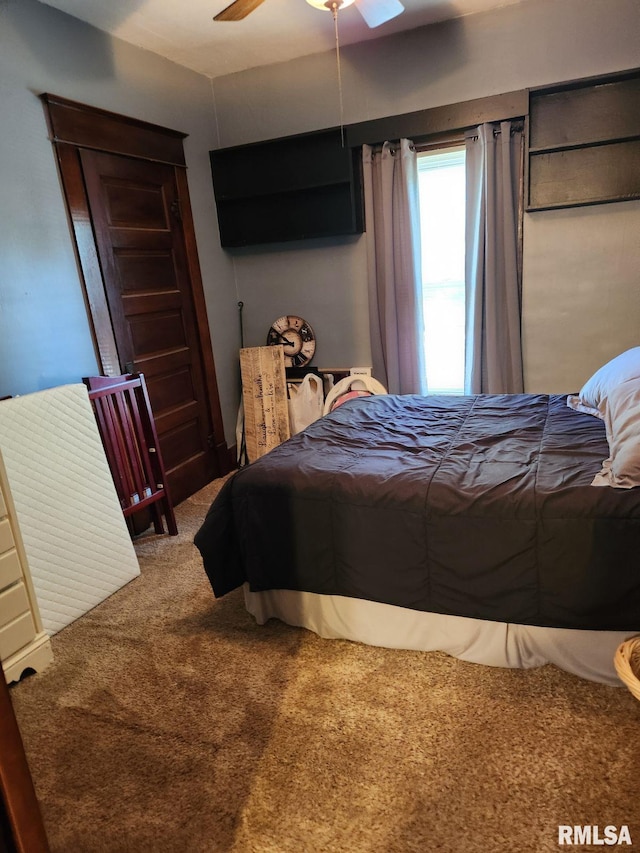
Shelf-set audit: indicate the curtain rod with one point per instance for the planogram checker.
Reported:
(438, 140)
(516, 128)
(423, 142)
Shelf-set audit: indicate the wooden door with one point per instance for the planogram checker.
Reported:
(138, 229)
(126, 191)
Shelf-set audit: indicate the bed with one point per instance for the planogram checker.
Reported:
(465, 524)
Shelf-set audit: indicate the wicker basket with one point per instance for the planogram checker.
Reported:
(627, 664)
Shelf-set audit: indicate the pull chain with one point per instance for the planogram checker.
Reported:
(334, 12)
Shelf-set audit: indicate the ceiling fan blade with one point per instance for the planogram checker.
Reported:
(238, 10)
(376, 12)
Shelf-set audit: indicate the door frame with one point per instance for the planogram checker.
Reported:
(73, 126)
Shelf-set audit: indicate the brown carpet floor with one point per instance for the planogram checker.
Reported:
(170, 721)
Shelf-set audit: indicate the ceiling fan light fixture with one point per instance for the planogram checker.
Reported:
(330, 5)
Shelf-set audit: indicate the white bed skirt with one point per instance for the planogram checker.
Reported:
(587, 654)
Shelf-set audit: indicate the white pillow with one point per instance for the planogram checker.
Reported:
(622, 419)
(594, 394)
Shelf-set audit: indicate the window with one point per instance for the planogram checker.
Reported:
(441, 185)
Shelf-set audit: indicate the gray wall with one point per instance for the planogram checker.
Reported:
(581, 303)
(45, 337)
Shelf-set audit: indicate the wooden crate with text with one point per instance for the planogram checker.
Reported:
(264, 398)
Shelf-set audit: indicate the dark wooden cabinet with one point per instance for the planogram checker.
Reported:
(285, 189)
(584, 142)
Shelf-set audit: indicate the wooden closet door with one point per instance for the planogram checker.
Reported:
(126, 191)
(138, 229)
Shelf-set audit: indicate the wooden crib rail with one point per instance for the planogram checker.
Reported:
(126, 425)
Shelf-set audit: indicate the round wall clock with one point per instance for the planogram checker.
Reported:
(296, 337)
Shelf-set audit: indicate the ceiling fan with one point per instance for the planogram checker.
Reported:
(374, 12)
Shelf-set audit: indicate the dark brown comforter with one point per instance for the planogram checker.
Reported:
(473, 506)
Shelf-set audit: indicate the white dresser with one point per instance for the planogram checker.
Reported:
(23, 643)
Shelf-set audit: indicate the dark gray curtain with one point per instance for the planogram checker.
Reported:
(394, 267)
(493, 358)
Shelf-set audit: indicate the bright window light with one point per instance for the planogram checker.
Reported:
(441, 180)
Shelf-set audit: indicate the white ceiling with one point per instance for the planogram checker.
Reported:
(184, 31)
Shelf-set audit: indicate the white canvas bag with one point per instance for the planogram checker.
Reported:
(306, 401)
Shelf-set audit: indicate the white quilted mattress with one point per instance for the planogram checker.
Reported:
(75, 536)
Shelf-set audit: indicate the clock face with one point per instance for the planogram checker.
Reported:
(296, 338)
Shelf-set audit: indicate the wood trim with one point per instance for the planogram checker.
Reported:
(87, 256)
(202, 320)
(20, 812)
(88, 263)
(90, 127)
(439, 119)
(521, 206)
(580, 82)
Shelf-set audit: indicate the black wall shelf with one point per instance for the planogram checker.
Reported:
(584, 143)
(292, 188)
